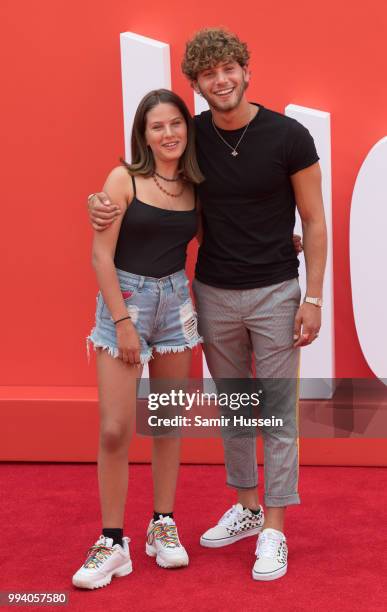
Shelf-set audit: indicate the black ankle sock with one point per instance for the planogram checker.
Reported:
(253, 511)
(158, 515)
(115, 534)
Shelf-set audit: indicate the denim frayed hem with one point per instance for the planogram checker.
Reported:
(113, 350)
(179, 348)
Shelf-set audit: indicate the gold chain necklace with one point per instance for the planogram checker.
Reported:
(172, 195)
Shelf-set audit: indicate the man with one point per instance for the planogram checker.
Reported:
(258, 165)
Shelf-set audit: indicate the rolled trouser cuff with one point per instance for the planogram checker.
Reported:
(282, 501)
(244, 485)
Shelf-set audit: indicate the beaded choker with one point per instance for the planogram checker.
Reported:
(169, 180)
(172, 195)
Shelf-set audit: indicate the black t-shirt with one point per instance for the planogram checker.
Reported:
(248, 201)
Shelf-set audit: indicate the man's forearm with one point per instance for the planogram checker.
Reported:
(315, 250)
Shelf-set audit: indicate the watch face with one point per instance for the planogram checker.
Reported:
(315, 301)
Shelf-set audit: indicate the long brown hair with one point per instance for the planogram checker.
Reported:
(143, 162)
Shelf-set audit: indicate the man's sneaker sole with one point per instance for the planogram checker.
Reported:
(166, 563)
(207, 543)
(271, 575)
(84, 583)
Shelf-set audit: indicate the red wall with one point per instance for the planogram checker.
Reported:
(62, 132)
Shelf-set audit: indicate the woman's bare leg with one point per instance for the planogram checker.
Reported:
(117, 401)
(166, 451)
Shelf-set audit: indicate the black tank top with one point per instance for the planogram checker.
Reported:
(153, 241)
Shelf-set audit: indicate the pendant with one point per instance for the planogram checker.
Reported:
(234, 153)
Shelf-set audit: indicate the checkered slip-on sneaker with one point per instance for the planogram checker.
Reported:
(272, 555)
(237, 523)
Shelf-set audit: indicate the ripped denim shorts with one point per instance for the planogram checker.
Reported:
(160, 309)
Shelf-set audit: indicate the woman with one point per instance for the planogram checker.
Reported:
(144, 310)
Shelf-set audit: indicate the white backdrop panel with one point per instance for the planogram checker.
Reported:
(317, 360)
(368, 257)
(145, 65)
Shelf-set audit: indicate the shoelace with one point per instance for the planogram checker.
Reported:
(267, 547)
(167, 534)
(231, 518)
(96, 555)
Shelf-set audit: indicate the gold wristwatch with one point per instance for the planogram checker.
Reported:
(312, 300)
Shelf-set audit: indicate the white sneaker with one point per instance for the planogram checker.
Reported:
(164, 544)
(272, 555)
(102, 563)
(236, 524)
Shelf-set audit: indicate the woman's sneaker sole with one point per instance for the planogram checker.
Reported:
(124, 570)
(166, 563)
(207, 543)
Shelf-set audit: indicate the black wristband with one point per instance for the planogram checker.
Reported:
(119, 320)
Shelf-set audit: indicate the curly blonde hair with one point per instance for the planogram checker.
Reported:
(209, 47)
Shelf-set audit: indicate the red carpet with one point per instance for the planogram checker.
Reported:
(337, 540)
